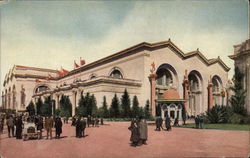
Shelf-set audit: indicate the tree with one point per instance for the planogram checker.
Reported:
(31, 108)
(87, 106)
(238, 99)
(39, 105)
(141, 112)
(147, 110)
(125, 104)
(65, 106)
(114, 108)
(135, 107)
(46, 109)
(104, 109)
(81, 110)
(94, 111)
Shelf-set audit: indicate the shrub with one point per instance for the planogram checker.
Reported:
(218, 114)
(236, 119)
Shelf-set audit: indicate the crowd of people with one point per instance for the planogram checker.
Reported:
(168, 122)
(138, 126)
(15, 125)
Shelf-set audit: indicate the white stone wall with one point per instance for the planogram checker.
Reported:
(166, 55)
(135, 67)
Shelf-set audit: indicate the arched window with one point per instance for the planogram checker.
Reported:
(164, 77)
(193, 82)
(216, 84)
(92, 76)
(116, 74)
(41, 88)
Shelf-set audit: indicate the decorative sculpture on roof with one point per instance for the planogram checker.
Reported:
(152, 70)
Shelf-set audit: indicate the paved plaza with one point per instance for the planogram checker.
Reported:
(112, 141)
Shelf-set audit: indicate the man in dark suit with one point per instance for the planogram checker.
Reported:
(10, 125)
(79, 128)
(83, 127)
(19, 127)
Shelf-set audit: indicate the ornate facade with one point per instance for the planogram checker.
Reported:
(241, 59)
(146, 70)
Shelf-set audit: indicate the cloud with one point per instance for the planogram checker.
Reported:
(51, 42)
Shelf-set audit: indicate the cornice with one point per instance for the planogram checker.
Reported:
(241, 54)
(98, 80)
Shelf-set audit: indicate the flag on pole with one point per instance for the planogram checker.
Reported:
(82, 62)
(64, 71)
(75, 65)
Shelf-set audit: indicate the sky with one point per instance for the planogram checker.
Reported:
(51, 34)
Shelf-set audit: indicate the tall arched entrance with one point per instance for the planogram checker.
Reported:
(166, 79)
(195, 93)
(218, 92)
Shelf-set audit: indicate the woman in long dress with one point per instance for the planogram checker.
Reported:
(135, 136)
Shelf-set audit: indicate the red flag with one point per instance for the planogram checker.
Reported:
(82, 62)
(75, 65)
(64, 72)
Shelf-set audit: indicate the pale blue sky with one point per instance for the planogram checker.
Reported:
(52, 34)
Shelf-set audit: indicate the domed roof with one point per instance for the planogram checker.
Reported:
(171, 94)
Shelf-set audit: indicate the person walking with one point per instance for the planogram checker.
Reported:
(19, 128)
(79, 128)
(83, 127)
(143, 130)
(201, 121)
(134, 137)
(10, 125)
(89, 120)
(39, 127)
(73, 121)
(168, 123)
(48, 126)
(58, 126)
(97, 122)
(176, 122)
(197, 120)
(93, 122)
(102, 121)
(158, 123)
(1, 124)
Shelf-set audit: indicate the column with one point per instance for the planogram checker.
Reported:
(34, 100)
(168, 111)
(56, 101)
(9, 95)
(180, 114)
(72, 100)
(3, 101)
(152, 78)
(162, 114)
(210, 95)
(74, 93)
(78, 96)
(164, 79)
(175, 112)
(185, 90)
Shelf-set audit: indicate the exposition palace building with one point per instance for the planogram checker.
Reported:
(151, 71)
